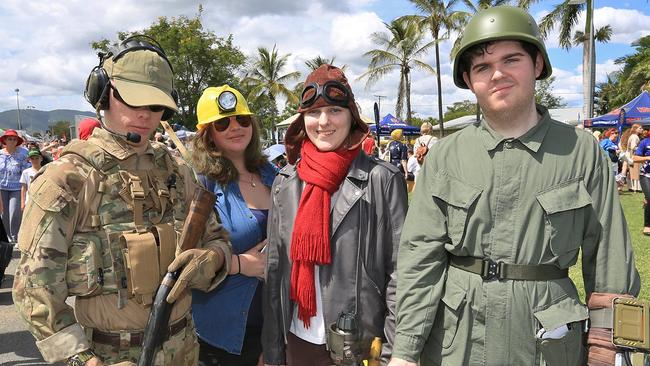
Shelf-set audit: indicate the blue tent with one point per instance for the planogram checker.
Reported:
(636, 111)
(390, 123)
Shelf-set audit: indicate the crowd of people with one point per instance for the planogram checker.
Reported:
(320, 259)
(628, 154)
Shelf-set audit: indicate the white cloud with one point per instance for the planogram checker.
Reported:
(627, 25)
(45, 49)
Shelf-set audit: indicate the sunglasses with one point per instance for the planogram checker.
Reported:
(333, 92)
(222, 124)
(153, 108)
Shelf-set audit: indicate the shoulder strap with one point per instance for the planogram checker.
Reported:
(90, 153)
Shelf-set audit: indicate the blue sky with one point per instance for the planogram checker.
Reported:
(45, 50)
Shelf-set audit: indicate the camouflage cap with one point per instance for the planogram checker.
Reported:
(142, 78)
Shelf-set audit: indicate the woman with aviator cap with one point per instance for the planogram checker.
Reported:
(334, 226)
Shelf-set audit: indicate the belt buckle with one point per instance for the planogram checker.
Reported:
(491, 270)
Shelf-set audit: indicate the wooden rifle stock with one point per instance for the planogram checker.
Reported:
(158, 324)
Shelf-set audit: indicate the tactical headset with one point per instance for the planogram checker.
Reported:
(98, 83)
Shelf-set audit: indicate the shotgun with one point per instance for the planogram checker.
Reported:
(155, 333)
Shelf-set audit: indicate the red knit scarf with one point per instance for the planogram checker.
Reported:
(323, 173)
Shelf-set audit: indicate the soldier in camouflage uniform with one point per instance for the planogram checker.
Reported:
(102, 225)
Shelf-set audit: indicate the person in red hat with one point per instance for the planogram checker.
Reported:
(334, 229)
(13, 160)
(86, 128)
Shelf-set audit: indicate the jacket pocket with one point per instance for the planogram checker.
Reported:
(84, 275)
(565, 209)
(459, 197)
(569, 349)
(448, 316)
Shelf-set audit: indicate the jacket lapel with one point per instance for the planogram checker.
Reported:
(352, 189)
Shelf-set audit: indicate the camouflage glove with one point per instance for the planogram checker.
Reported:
(199, 268)
(602, 351)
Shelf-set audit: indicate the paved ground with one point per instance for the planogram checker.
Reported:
(17, 346)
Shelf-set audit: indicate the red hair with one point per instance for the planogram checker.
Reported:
(610, 132)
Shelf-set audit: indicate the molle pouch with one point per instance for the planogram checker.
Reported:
(141, 262)
(84, 275)
(166, 239)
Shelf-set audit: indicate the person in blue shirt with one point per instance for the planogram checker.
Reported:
(13, 160)
(611, 148)
(228, 158)
(398, 152)
(642, 155)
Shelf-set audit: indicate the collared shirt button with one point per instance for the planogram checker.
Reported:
(356, 193)
(508, 144)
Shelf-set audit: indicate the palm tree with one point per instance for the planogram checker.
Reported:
(607, 93)
(316, 62)
(400, 50)
(440, 19)
(567, 15)
(635, 75)
(265, 78)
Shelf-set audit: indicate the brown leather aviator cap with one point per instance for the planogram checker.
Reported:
(315, 87)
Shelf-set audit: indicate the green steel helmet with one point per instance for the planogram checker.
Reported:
(500, 23)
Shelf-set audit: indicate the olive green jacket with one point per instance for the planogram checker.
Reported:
(536, 199)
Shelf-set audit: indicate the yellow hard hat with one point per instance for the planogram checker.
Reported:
(218, 102)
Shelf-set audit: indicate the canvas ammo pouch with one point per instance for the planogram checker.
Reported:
(146, 258)
(141, 263)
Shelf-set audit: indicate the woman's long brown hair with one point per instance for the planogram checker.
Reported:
(208, 160)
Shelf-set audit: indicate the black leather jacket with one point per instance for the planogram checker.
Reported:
(367, 215)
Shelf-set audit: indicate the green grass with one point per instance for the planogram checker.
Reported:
(633, 208)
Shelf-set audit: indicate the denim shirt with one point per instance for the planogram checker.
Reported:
(11, 168)
(221, 315)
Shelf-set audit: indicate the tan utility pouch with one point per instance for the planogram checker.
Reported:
(631, 325)
(141, 261)
(166, 238)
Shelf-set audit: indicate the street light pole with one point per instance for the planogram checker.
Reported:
(18, 107)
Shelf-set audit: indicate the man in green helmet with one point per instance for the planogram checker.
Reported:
(500, 213)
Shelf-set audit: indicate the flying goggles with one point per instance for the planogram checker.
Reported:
(333, 92)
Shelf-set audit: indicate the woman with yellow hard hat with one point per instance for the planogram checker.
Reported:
(228, 158)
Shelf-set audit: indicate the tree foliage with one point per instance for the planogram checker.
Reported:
(199, 58)
(400, 49)
(544, 94)
(440, 18)
(459, 109)
(61, 128)
(265, 78)
(625, 84)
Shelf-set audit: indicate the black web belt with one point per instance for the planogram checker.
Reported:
(491, 270)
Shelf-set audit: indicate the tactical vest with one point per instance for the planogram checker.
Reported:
(127, 229)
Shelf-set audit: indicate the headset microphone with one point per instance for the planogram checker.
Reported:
(133, 137)
(130, 136)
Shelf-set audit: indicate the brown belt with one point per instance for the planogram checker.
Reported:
(114, 339)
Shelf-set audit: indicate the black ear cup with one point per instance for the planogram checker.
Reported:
(96, 91)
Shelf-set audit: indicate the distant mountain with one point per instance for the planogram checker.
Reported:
(35, 120)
